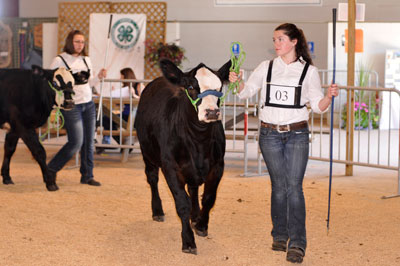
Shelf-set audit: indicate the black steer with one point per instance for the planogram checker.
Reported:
(184, 137)
(26, 100)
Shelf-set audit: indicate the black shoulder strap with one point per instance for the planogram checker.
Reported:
(270, 71)
(64, 62)
(268, 82)
(84, 61)
(303, 75)
(297, 95)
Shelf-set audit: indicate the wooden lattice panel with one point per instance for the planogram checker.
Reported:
(76, 15)
(5, 45)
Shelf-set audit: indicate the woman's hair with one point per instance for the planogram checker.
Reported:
(293, 32)
(69, 43)
(128, 74)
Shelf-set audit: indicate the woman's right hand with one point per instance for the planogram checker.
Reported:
(233, 77)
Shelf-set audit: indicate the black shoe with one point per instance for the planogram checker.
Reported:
(279, 246)
(91, 182)
(295, 255)
(100, 150)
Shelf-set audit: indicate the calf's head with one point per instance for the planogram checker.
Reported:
(202, 85)
(62, 81)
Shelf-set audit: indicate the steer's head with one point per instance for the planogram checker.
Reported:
(202, 86)
(62, 81)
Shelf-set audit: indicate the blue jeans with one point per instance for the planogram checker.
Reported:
(80, 124)
(286, 157)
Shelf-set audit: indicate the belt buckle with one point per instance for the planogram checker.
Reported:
(282, 131)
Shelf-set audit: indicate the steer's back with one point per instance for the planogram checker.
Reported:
(24, 97)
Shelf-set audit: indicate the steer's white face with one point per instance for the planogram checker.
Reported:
(208, 81)
(67, 77)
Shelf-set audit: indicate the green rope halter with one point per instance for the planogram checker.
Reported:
(194, 102)
(58, 116)
(236, 63)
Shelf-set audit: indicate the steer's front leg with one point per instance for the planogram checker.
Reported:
(208, 200)
(183, 207)
(10, 145)
(31, 140)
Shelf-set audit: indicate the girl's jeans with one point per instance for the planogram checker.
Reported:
(80, 124)
(286, 157)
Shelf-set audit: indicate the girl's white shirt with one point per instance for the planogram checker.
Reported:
(83, 93)
(289, 75)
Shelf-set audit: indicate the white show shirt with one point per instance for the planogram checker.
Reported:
(83, 92)
(288, 75)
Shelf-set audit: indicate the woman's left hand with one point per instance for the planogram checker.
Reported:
(102, 73)
(333, 90)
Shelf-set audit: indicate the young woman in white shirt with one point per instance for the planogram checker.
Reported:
(126, 73)
(81, 120)
(287, 83)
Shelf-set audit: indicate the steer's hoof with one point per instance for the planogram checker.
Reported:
(158, 218)
(190, 250)
(202, 233)
(51, 187)
(8, 181)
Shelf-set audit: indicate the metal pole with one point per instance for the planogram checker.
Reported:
(104, 66)
(332, 109)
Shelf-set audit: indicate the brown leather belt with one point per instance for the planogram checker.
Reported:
(286, 128)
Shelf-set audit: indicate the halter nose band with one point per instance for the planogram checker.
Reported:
(202, 95)
(210, 92)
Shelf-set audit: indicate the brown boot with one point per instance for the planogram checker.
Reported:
(279, 246)
(295, 255)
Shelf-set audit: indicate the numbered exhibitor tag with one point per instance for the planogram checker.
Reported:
(282, 95)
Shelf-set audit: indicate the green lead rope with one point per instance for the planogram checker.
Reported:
(58, 116)
(236, 63)
(194, 102)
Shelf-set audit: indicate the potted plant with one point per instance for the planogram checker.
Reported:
(366, 106)
(155, 51)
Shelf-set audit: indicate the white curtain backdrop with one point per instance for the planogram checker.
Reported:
(126, 44)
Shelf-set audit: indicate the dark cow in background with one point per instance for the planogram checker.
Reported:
(26, 100)
(186, 140)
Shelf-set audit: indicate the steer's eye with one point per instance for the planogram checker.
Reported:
(190, 87)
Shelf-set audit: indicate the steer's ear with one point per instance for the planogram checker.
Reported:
(223, 72)
(171, 72)
(44, 73)
(37, 70)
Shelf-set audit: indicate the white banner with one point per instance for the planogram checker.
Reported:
(126, 43)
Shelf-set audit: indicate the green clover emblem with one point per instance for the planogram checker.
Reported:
(125, 34)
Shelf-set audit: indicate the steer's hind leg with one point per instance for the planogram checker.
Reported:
(183, 207)
(194, 196)
(31, 140)
(10, 145)
(208, 200)
(152, 178)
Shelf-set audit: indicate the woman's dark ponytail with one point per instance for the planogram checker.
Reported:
(293, 32)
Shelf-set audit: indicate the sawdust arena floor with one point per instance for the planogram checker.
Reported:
(112, 224)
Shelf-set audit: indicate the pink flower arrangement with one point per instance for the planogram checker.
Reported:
(364, 116)
(155, 51)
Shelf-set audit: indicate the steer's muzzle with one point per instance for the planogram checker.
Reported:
(67, 105)
(68, 102)
(212, 114)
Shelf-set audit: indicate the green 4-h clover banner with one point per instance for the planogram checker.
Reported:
(126, 44)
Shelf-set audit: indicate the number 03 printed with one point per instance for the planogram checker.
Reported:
(283, 95)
